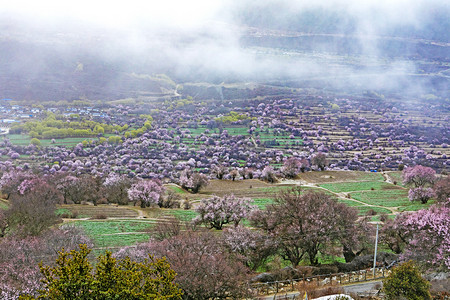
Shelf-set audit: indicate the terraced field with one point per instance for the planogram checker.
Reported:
(116, 233)
(24, 139)
(113, 226)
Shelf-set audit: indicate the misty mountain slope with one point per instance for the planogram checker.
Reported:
(421, 20)
(341, 44)
(36, 72)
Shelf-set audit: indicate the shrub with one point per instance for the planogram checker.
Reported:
(73, 277)
(187, 204)
(99, 217)
(172, 200)
(406, 282)
(371, 212)
(442, 189)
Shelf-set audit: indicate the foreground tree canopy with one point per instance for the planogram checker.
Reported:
(73, 277)
(422, 236)
(204, 269)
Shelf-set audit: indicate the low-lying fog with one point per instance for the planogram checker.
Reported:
(375, 45)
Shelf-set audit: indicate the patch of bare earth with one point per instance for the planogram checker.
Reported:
(110, 211)
(241, 188)
(331, 176)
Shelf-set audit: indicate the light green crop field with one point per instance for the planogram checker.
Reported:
(91, 211)
(396, 176)
(61, 211)
(177, 189)
(237, 130)
(123, 240)
(416, 206)
(181, 214)
(379, 210)
(3, 205)
(261, 203)
(340, 187)
(23, 140)
(387, 198)
(349, 202)
(116, 233)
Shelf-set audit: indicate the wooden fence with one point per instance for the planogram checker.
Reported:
(268, 288)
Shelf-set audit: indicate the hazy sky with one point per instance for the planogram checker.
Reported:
(196, 12)
(117, 13)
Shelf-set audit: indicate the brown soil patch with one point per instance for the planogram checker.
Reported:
(242, 188)
(391, 187)
(109, 211)
(331, 176)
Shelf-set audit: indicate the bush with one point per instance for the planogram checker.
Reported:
(73, 277)
(325, 270)
(383, 217)
(172, 200)
(371, 212)
(102, 201)
(99, 217)
(406, 282)
(187, 204)
(34, 210)
(442, 189)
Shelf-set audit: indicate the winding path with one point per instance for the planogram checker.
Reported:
(343, 195)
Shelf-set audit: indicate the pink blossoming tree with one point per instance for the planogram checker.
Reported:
(420, 194)
(428, 236)
(418, 176)
(146, 192)
(218, 211)
(291, 167)
(252, 246)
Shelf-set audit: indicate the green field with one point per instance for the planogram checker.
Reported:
(343, 187)
(396, 176)
(61, 211)
(237, 130)
(387, 198)
(349, 202)
(261, 203)
(415, 206)
(265, 135)
(116, 233)
(23, 140)
(181, 214)
(177, 189)
(379, 210)
(370, 176)
(111, 241)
